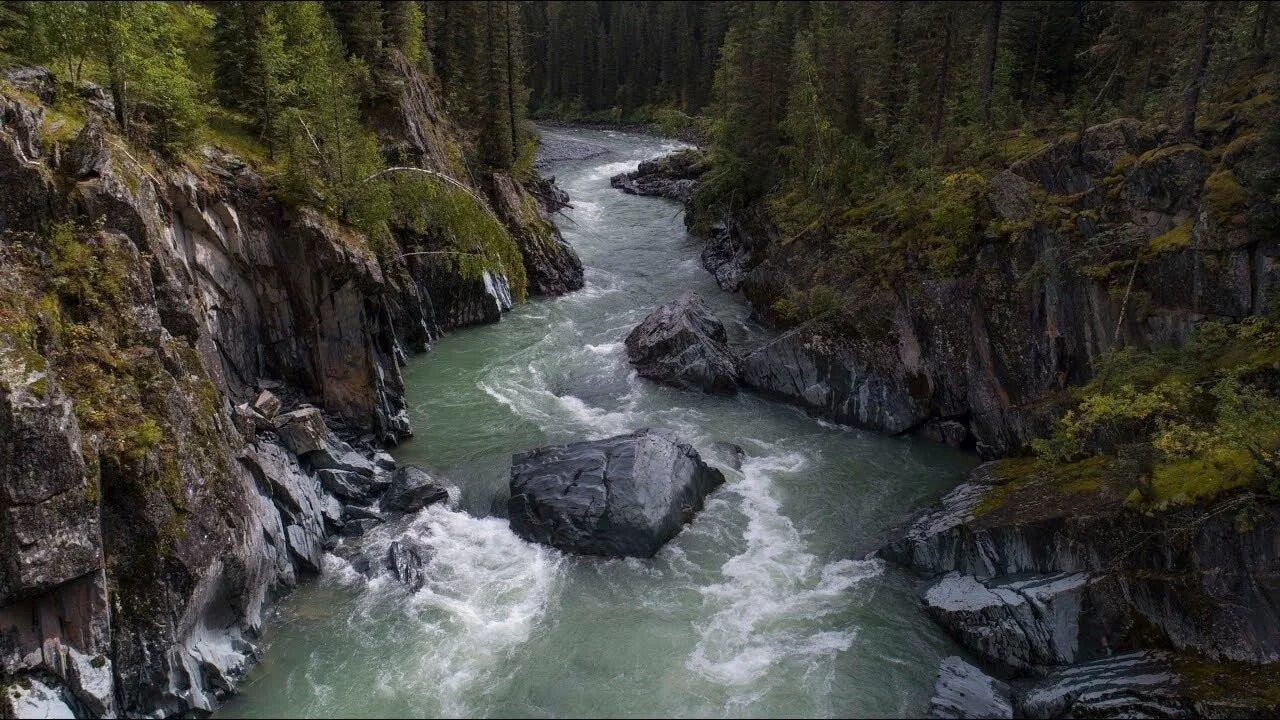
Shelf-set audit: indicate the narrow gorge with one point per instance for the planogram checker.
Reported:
(605, 359)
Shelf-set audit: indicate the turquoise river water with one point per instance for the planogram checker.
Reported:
(763, 606)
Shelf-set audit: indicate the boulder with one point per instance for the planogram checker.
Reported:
(304, 432)
(684, 344)
(343, 483)
(622, 496)
(411, 490)
(87, 156)
(964, 691)
(357, 528)
(268, 404)
(1021, 623)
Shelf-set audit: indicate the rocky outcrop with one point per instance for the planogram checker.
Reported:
(1058, 577)
(684, 344)
(1203, 582)
(673, 176)
(1140, 684)
(1124, 237)
(623, 496)
(736, 246)
(1021, 623)
(963, 691)
(193, 379)
(551, 264)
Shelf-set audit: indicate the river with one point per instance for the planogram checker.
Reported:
(762, 606)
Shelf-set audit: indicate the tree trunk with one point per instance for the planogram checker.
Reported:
(1260, 34)
(1197, 72)
(940, 98)
(511, 81)
(989, 66)
(1035, 64)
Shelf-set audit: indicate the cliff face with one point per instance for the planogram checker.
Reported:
(153, 500)
(1124, 237)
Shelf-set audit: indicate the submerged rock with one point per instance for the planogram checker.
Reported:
(964, 691)
(407, 560)
(411, 490)
(622, 496)
(683, 343)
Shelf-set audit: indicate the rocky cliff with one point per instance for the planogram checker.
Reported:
(1123, 236)
(1096, 582)
(194, 383)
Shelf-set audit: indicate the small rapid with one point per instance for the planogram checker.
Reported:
(762, 606)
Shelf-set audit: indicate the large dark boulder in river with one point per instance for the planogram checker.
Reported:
(622, 496)
(683, 343)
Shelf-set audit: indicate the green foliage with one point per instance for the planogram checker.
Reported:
(1207, 413)
(465, 233)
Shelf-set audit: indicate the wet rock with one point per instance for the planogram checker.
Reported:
(684, 344)
(384, 461)
(355, 512)
(1020, 623)
(357, 528)
(947, 432)
(964, 691)
(406, 559)
(728, 454)
(1138, 684)
(673, 176)
(622, 496)
(411, 490)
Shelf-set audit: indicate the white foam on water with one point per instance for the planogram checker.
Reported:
(485, 593)
(605, 349)
(763, 610)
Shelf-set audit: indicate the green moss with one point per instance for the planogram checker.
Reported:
(1225, 198)
(1178, 238)
(1231, 683)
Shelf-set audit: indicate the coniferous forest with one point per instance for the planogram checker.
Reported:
(578, 358)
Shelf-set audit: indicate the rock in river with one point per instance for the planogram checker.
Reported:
(683, 343)
(622, 496)
(411, 490)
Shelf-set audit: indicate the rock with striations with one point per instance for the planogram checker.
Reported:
(964, 691)
(622, 496)
(411, 490)
(684, 344)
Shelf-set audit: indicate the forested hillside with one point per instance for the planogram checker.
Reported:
(301, 89)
